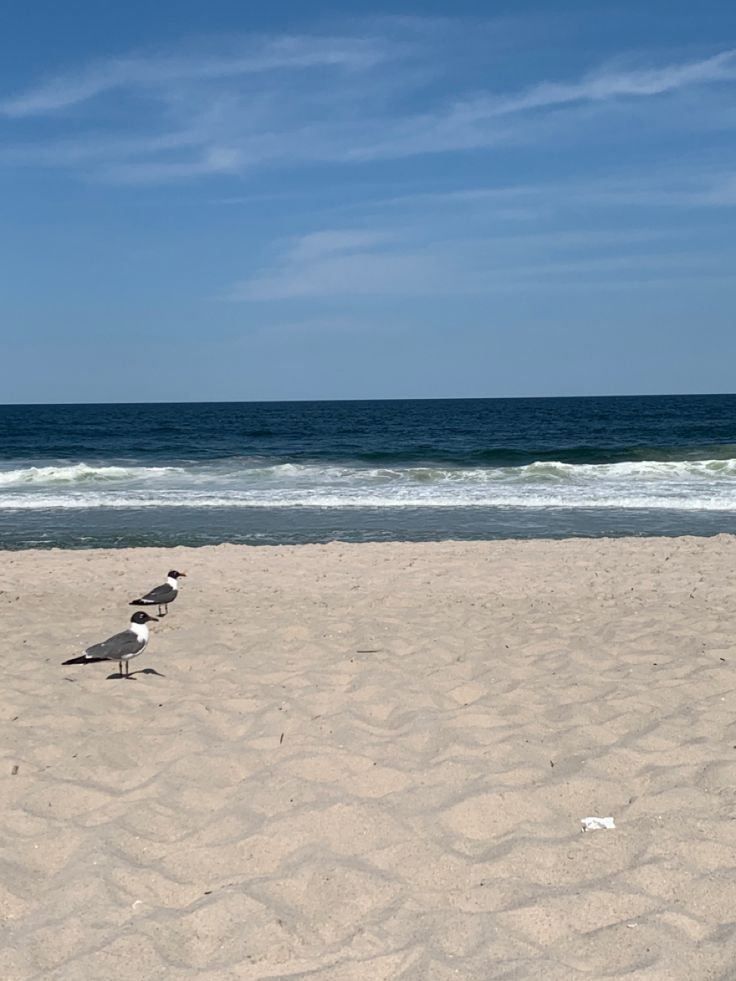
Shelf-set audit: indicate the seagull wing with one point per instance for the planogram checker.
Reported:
(161, 594)
(126, 642)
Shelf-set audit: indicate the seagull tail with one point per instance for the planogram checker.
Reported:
(83, 659)
(141, 602)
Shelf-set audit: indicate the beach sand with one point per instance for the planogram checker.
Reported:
(371, 761)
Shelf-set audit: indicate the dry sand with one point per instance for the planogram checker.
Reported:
(371, 762)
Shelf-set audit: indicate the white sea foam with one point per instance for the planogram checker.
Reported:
(540, 470)
(318, 501)
(708, 485)
(78, 473)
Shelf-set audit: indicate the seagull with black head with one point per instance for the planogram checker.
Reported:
(162, 595)
(120, 647)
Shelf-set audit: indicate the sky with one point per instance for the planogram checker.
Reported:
(239, 201)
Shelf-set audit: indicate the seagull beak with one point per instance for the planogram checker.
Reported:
(154, 618)
(182, 575)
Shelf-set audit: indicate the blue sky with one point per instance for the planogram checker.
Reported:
(255, 201)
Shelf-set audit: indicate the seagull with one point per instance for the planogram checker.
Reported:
(162, 595)
(120, 647)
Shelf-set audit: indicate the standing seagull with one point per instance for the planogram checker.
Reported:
(162, 595)
(121, 647)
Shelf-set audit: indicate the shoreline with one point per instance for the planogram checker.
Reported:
(383, 543)
(287, 529)
(389, 542)
(371, 760)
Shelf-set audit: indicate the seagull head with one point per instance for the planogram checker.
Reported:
(177, 575)
(142, 617)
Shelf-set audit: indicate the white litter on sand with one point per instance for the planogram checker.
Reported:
(597, 824)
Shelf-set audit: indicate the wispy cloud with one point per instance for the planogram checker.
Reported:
(609, 84)
(338, 263)
(145, 72)
(478, 121)
(333, 264)
(227, 107)
(684, 187)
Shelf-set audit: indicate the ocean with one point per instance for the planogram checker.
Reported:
(84, 476)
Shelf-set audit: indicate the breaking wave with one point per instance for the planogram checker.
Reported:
(688, 484)
(79, 473)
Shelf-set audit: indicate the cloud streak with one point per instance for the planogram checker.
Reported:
(230, 107)
(607, 84)
(474, 122)
(380, 264)
(257, 56)
(696, 186)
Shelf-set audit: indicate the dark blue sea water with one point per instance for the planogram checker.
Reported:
(287, 472)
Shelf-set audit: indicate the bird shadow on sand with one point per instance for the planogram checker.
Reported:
(131, 676)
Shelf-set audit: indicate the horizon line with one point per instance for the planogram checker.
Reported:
(431, 398)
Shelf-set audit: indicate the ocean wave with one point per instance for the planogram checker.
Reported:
(578, 454)
(553, 470)
(538, 470)
(632, 469)
(367, 501)
(708, 484)
(79, 473)
(244, 471)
